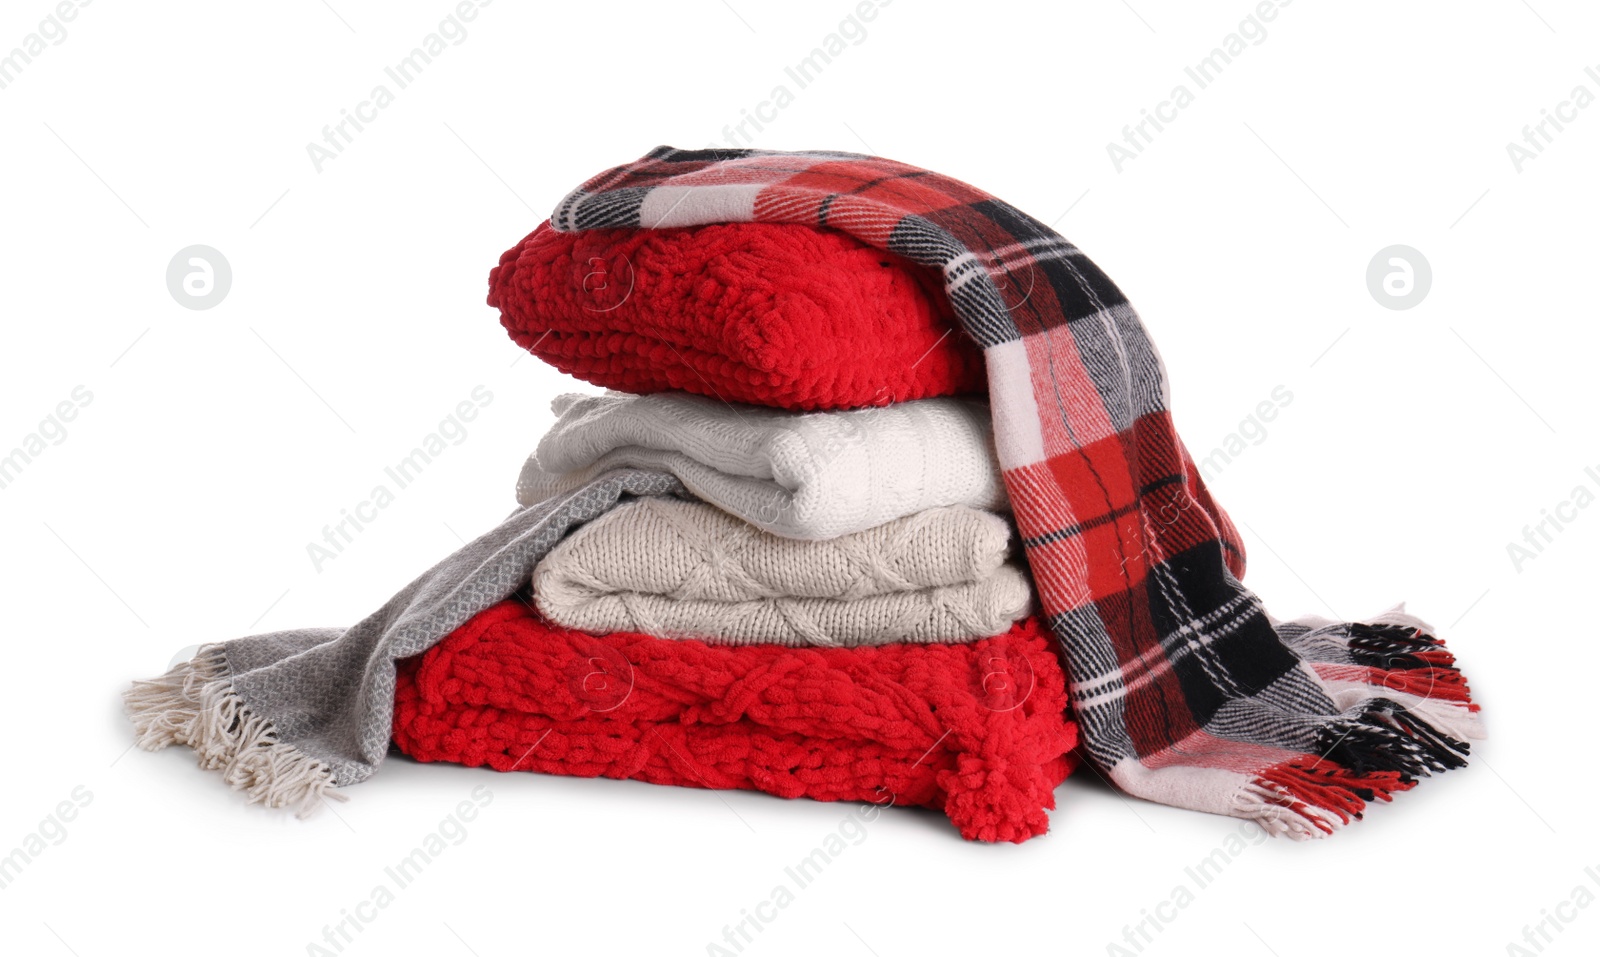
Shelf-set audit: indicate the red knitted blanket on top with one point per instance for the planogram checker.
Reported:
(770, 314)
(977, 730)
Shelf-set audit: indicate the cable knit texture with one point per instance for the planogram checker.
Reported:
(790, 316)
(811, 476)
(677, 569)
(976, 730)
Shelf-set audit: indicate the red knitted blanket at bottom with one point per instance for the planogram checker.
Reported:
(976, 730)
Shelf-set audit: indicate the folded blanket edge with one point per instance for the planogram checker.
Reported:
(195, 704)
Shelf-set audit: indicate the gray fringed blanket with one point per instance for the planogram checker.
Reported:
(288, 715)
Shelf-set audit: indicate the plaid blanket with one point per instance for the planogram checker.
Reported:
(1187, 692)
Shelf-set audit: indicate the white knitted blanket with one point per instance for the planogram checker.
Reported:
(809, 476)
(674, 569)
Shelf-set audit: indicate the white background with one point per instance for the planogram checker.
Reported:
(218, 443)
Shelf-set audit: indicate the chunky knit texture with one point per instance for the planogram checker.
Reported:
(794, 317)
(677, 569)
(976, 730)
(812, 476)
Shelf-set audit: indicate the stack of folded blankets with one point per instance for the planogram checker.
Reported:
(885, 474)
(833, 607)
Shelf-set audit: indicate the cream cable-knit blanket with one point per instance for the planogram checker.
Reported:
(673, 568)
(811, 476)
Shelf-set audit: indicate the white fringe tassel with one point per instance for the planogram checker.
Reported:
(1270, 809)
(195, 704)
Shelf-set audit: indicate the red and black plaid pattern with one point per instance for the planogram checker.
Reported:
(1187, 692)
